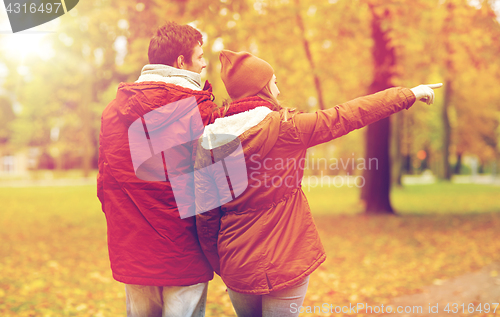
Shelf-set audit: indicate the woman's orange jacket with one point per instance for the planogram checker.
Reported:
(265, 239)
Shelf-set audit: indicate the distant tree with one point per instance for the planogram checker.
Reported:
(7, 116)
(375, 193)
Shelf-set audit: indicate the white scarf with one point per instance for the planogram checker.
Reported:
(170, 75)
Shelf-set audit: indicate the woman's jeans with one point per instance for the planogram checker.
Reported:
(274, 304)
(166, 301)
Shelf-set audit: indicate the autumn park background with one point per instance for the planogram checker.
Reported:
(429, 213)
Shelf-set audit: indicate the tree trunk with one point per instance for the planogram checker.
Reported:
(496, 165)
(446, 131)
(307, 50)
(375, 193)
(448, 90)
(458, 166)
(397, 149)
(377, 187)
(86, 117)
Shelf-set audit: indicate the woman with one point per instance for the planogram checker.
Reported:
(262, 241)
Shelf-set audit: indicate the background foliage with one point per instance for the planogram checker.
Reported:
(320, 50)
(54, 86)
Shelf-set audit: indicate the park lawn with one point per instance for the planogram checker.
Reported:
(438, 198)
(54, 258)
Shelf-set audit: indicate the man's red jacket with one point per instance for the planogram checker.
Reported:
(149, 243)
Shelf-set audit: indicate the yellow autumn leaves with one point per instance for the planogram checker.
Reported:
(54, 259)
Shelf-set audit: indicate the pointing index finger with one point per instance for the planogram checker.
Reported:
(434, 86)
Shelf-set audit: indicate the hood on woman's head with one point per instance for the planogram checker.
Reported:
(244, 74)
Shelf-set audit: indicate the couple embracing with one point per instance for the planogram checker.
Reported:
(261, 240)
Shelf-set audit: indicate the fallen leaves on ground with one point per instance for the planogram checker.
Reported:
(54, 259)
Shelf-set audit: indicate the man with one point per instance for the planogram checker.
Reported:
(153, 245)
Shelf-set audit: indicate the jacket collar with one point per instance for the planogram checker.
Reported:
(170, 75)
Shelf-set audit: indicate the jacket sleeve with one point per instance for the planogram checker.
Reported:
(207, 225)
(100, 175)
(325, 125)
(206, 108)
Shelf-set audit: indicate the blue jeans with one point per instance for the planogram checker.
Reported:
(166, 301)
(274, 304)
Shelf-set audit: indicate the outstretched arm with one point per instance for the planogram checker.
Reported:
(325, 125)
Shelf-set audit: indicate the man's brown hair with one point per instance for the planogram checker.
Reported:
(172, 40)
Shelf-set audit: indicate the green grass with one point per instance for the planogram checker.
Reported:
(54, 259)
(439, 198)
(446, 198)
(54, 254)
(44, 174)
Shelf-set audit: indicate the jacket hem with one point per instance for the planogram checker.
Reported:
(149, 281)
(284, 285)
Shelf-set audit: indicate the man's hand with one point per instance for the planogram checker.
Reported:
(425, 93)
